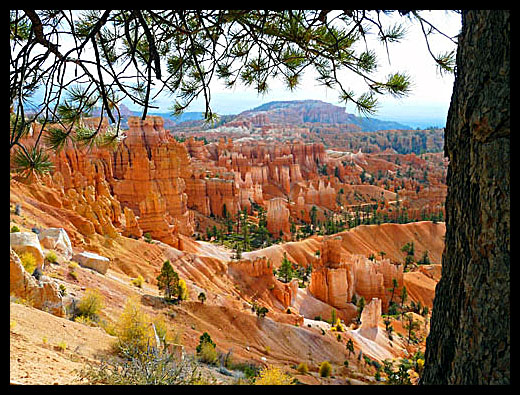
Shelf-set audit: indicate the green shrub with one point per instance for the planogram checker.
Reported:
(183, 290)
(204, 338)
(249, 369)
(91, 304)
(273, 376)
(302, 368)
(207, 353)
(108, 327)
(62, 290)
(61, 346)
(138, 282)
(133, 330)
(261, 311)
(51, 257)
(28, 261)
(325, 369)
(72, 269)
(15, 229)
(84, 320)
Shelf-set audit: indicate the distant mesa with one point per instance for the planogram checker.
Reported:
(275, 113)
(315, 111)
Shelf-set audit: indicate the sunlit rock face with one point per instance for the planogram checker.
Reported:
(370, 319)
(277, 217)
(148, 165)
(337, 276)
(137, 188)
(44, 294)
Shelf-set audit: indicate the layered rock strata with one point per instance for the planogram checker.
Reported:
(337, 277)
(148, 165)
(278, 217)
(138, 188)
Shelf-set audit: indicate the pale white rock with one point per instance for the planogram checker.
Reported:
(27, 242)
(92, 261)
(56, 239)
(370, 319)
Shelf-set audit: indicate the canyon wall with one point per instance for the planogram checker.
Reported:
(136, 188)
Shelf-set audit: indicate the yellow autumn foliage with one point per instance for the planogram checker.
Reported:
(273, 376)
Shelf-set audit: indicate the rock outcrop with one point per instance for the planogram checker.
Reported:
(27, 242)
(41, 294)
(138, 188)
(147, 171)
(370, 319)
(56, 239)
(256, 267)
(132, 228)
(278, 217)
(338, 276)
(92, 261)
(285, 293)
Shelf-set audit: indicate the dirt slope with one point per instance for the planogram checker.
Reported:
(34, 362)
(366, 240)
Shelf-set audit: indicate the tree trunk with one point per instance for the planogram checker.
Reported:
(469, 340)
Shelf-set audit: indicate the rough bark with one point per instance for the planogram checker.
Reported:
(469, 341)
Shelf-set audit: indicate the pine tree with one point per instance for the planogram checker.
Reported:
(410, 325)
(286, 271)
(404, 296)
(361, 306)
(394, 287)
(168, 281)
(204, 338)
(350, 347)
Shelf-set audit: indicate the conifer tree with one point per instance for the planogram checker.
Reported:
(168, 281)
(286, 271)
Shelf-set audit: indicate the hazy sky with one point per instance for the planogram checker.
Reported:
(428, 101)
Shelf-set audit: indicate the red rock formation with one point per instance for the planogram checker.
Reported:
(144, 175)
(148, 166)
(285, 293)
(197, 149)
(337, 277)
(277, 217)
(222, 192)
(257, 267)
(132, 228)
(198, 199)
